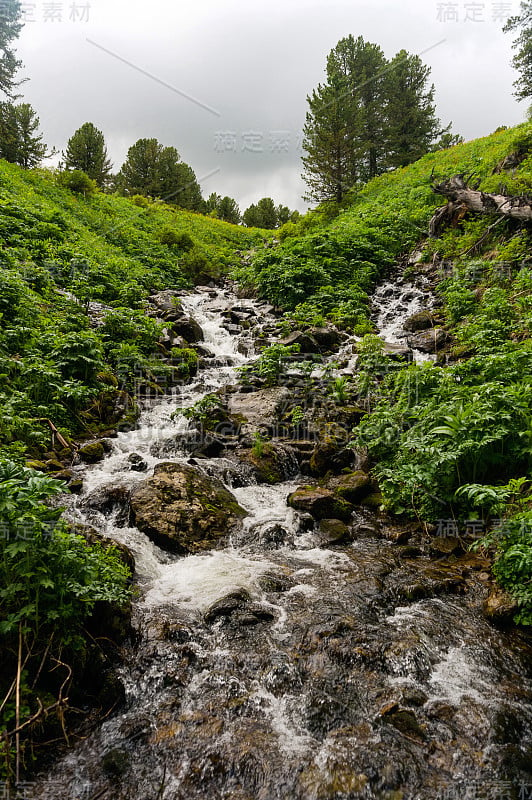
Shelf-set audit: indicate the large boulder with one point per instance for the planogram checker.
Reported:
(182, 510)
(188, 328)
(419, 322)
(307, 343)
(429, 341)
(327, 338)
(320, 503)
(256, 408)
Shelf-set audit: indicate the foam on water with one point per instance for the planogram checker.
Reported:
(196, 582)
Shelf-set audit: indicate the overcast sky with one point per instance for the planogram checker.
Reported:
(227, 81)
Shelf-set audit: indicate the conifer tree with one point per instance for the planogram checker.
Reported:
(410, 125)
(10, 27)
(522, 61)
(371, 115)
(87, 151)
(20, 140)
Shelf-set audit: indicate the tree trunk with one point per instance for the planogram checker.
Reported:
(462, 198)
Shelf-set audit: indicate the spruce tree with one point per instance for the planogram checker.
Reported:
(10, 27)
(87, 151)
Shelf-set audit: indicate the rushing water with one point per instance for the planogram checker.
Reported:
(343, 674)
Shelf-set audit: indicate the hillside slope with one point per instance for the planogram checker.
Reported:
(57, 247)
(450, 441)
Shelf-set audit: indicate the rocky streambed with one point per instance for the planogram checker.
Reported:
(291, 641)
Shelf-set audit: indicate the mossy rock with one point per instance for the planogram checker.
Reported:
(92, 452)
(183, 510)
(353, 487)
(320, 503)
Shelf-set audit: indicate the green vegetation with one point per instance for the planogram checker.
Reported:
(59, 252)
(434, 429)
(50, 582)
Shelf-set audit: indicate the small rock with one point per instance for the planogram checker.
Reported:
(334, 531)
(499, 606)
(445, 545)
(227, 605)
(137, 463)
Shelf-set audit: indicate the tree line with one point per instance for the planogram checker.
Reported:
(371, 115)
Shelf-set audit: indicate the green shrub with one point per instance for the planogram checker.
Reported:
(79, 182)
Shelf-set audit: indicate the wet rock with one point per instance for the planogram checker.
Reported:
(271, 463)
(275, 583)
(406, 723)
(499, 606)
(413, 697)
(137, 463)
(320, 503)
(254, 614)
(227, 605)
(429, 341)
(189, 329)
(108, 500)
(366, 530)
(334, 531)
(419, 322)
(92, 452)
(327, 338)
(306, 342)
(352, 487)
(445, 545)
(274, 536)
(183, 510)
(397, 352)
(115, 762)
(167, 300)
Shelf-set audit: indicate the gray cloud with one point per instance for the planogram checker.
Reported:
(254, 63)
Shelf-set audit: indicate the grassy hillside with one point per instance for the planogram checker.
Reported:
(103, 248)
(451, 441)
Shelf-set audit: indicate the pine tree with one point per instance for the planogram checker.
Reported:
(140, 172)
(522, 60)
(30, 146)
(20, 140)
(411, 125)
(8, 132)
(156, 171)
(251, 217)
(10, 27)
(189, 194)
(329, 171)
(371, 115)
(228, 210)
(87, 151)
